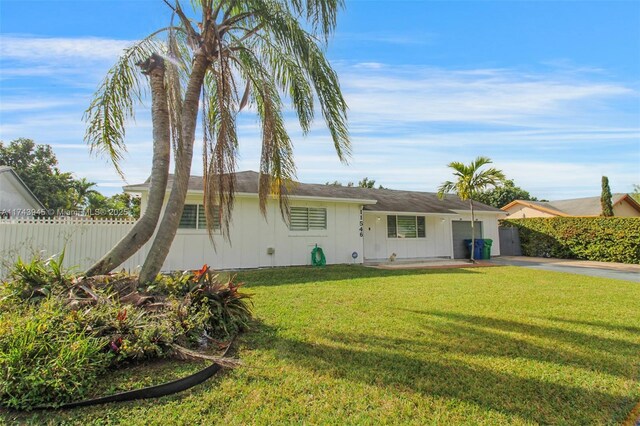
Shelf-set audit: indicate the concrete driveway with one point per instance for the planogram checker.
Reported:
(620, 271)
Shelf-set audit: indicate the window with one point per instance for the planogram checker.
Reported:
(406, 227)
(193, 217)
(308, 219)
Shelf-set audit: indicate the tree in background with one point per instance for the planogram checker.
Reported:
(471, 181)
(605, 198)
(635, 194)
(37, 166)
(367, 183)
(227, 55)
(364, 183)
(338, 183)
(117, 206)
(502, 195)
(81, 191)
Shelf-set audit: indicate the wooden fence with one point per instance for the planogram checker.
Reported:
(83, 240)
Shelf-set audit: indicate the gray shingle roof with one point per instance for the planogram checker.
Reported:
(388, 200)
(588, 206)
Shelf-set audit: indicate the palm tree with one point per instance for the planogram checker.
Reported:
(469, 183)
(232, 54)
(82, 189)
(100, 133)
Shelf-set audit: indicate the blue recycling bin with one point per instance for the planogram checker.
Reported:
(478, 246)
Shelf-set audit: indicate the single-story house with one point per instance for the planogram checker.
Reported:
(623, 206)
(351, 225)
(16, 199)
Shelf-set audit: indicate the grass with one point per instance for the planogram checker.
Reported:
(348, 344)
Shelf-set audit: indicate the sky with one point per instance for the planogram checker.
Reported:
(549, 90)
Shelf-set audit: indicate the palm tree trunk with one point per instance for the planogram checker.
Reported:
(184, 155)
(473, 232)
(146, 225)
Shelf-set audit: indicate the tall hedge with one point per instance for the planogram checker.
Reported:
(605, 239)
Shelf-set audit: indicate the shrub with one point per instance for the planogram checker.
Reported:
(37, 279)
(605, 239)
(46, 357)
(57, 334)
(213, 308)
(131, 332)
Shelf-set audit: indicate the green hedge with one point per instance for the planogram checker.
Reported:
(610, 239)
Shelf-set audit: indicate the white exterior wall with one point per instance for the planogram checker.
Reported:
(438, 241)
(86, 241)
(379, 247)
(489, 228)
(251, 236)
(14, 198)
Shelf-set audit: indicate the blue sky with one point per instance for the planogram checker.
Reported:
(550, 90)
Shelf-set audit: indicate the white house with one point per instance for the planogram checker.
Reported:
(351, 225)
(16, 199)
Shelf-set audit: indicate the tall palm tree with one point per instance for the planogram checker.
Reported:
(220, 57)
(470, 181)
(82, 189)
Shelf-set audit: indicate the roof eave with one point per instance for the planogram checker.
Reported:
(363, 201)
(480, 211)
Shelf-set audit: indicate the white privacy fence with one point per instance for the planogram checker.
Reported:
(84, 240)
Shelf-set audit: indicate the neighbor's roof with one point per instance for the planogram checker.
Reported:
(588, 206)
(382, 200)
(10, 171)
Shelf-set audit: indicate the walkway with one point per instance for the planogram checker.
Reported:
(620, 271)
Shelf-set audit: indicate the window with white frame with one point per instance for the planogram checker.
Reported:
(406, 226)
(193, 217)
(308, 219)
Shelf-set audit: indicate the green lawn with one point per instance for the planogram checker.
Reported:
(348, 344)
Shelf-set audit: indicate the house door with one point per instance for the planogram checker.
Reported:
(370, 243)
(461, 230)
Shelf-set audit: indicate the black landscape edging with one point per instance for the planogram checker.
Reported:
(156, 391)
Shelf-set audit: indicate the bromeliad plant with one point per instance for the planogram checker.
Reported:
(58, 333)
(220, 310)
(38, 278)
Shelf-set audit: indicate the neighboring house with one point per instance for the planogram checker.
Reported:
(623, 205)
(16, 199)
(350, 224)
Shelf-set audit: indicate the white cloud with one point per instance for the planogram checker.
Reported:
(56, 49)
(488, 96)
(552, 131)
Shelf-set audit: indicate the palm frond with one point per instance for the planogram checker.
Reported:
(113, 102)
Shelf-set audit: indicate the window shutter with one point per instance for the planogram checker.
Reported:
(298, 219)
(189, 216)
(307, 219)
(317, 219)
(202, 217)
(422, 228)
(392, 231)
(406, 226)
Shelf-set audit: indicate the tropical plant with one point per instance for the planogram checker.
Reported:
(82, 189)
(605, 198)
(38, 278)
(231, 55)
(46, 356)
(470, 181)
